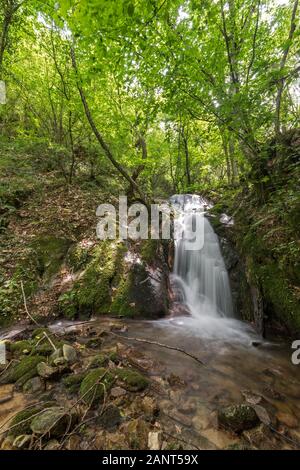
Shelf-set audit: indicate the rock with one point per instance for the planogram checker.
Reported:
(110, 418)
(20, 423)
(117, 392)
(58, 353)
(149, 407)
(132, 380)
(23, 441)
(95, 385)
(73, 442)
(175, 381)
(7, 444)
(136, 432)
(100, 360)
(251, 398)
(53, 444)
(154, 440)
(287, 419)
(22, 371)
(47, 372)
(262, 414)
(114, 441)
(238, 418)
(94, 343)
(259, 437)
(59, 361)
(69, 353)
(53, 421)
(33, 385)
(180, 418)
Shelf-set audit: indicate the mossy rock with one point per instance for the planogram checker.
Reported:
(73, 382)
(238, 418)
(22, 371)
(92, 393)
(132, 380)
(38, 333)
(20, 427)
(21, 347)
(54, 422)
(101, 360)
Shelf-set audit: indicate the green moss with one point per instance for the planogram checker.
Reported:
(279, 294)
(133, 381)
(149, 250)
(19, 347)
(91, 294)
(73, 382)
(22, 371)
(39, 332)
(21, 427)
(93, 392)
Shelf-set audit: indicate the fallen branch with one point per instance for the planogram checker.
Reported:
(25, 305)
(156, 343)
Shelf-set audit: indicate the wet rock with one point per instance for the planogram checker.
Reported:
(23, 441)
(117, 392)
(110, 418)
(53, 444)
(69, 353)
(95, 385)
(287, 419)
(54, 421)
(34, 385)
(154, 440)
(47, 372)
(180, 418)
(262, 414)
(132, 380)
(238, 418)
(175, 381)
(251, 398)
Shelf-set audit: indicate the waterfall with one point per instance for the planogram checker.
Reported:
(200, 274)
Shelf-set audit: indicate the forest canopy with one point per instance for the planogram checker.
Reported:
(169, 95)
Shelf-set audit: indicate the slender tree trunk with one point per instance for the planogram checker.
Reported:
(100, 138)
(187, 158)
(281, 82)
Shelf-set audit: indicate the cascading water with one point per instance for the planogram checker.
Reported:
(200, 278)
(200, 273)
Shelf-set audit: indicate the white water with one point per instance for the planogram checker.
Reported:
(202, 279)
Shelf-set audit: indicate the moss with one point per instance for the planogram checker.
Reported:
(23, 427)
(101, 360)
(280, 296)
(23, 370)
(93, 392)
(149, 250)
(39, 332)
(91, 294)
(78, 257)
(73, 382)
(133, 381)
(19, 347)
